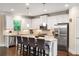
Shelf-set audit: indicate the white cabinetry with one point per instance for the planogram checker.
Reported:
(77, 35)
(9, 41)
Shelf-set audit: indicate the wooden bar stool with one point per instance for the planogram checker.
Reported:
(25, 44)
(19, 44)
(41, 47)
(32, 44)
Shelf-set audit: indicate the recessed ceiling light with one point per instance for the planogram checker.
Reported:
(27, 4)
(29, 13)
(12, 9)
(44, 10)
(66, 5)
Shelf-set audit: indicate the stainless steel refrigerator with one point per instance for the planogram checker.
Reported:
(62, 31)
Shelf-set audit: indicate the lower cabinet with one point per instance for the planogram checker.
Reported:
(77, 46)
(10, 41)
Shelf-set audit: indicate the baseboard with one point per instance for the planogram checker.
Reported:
(74, 53)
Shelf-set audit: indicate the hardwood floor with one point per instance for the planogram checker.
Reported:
(13, 52)
(64, 53)
(8, 51)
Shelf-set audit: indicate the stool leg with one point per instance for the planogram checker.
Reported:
(34, 51)
(26, 50)
(17, 49)
(38, 51)
(43, 52)
(29, 49)
(23, 50)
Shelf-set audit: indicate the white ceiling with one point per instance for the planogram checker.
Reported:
(34, 8)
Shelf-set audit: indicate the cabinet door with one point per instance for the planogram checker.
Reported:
(77, 35)
(77, 27)
(77, 45)
(11, 41)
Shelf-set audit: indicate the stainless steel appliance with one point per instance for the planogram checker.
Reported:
(62, 31)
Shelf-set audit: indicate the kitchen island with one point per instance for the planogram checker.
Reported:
(52, 42)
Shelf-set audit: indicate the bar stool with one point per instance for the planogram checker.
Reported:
(32, 44)
(19, 44)
(25, 44)
(41, 46)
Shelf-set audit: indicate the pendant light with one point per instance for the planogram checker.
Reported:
(27, 11)
(45, 16)
(27, 14)
(44, 7)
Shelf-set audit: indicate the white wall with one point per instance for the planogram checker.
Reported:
(2, 27)
(50, 21)
(9, 22)
(35, 23)
(24, 22)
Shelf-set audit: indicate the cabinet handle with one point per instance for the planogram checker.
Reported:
(77, 37)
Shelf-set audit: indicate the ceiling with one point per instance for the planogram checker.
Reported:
(34, 8)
